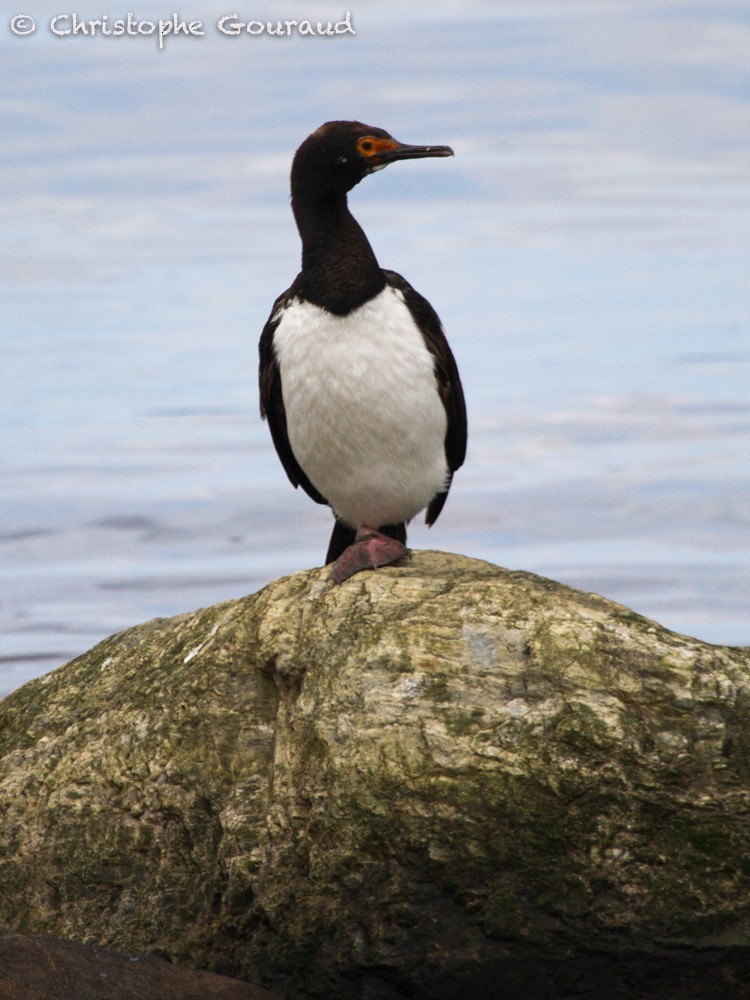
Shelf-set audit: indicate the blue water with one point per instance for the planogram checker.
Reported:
(587, 250)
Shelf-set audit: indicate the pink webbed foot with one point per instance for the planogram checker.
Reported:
(370, 549)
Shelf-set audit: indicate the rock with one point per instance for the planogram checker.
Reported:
(436, 780)
(40, 968)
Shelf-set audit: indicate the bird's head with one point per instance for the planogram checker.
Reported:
(339, 154)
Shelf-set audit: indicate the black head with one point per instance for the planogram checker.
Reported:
(339, 154)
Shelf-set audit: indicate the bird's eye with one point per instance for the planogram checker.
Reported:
(366, 145)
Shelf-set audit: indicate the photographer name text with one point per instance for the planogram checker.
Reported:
(73, 25)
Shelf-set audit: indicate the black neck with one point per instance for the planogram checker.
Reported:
(339, 269)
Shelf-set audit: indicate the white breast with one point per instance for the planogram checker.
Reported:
(364, 417)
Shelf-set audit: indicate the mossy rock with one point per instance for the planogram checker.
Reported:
(419, 783)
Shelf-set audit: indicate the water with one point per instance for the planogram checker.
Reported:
(587, 250)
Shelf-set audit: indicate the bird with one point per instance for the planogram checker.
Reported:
(357, 381)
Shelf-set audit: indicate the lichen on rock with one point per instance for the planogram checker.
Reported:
(411, 781)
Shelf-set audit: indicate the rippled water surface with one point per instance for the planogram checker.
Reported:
(587, 250)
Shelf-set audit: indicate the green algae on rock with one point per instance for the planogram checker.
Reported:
(412, 779)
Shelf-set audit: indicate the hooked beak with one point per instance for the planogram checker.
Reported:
(403, 151)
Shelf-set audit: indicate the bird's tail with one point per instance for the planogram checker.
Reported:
(343, 536)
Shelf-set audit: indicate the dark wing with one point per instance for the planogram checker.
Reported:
(272, 402)
(449, 383)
